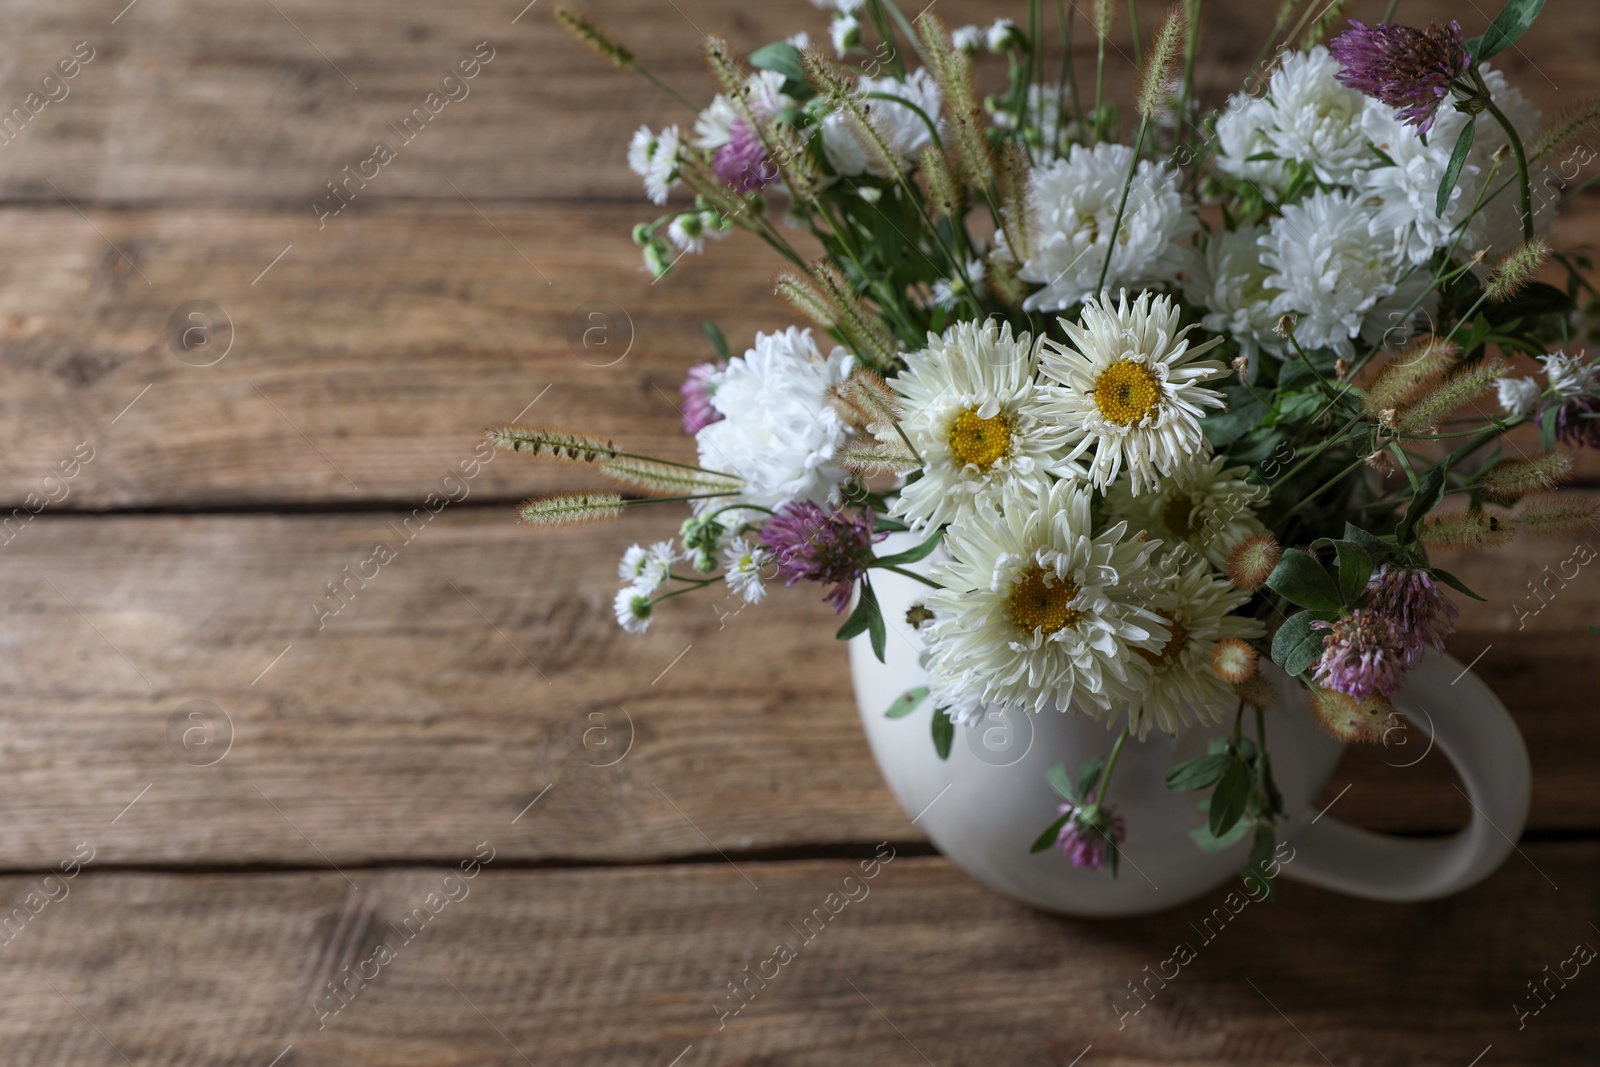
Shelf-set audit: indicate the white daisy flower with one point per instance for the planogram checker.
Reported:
(1519, 396)
(1196, 605)
(902, 129)
(978, 420)
(846, 33)
(1133, 387)
(743, 563)
(654, 157)
(1002, 35)
(1242, 132)
(1036, 612)
(1229, 280)
(779, 431)
(633, 608)
(948, 292)
(1207, 513)
(1330, 271)
(1074, 204)
(647, 569)
(1316, 120)
(1569, 376)
(967, 38)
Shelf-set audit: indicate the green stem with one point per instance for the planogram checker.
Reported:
(906, 574)
(1122, 205)
(1524, 190)
(1133, 23)
(1111, 765)
(1388, 15)
(664, 87)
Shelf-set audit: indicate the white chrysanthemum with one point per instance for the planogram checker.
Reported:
(1133, 387)
(948, 292)
(654, 157)
(1570, 376)
(902, 130)
(763, 95)
(1037, 613)
(978, 420)
(647, 569)
(967, 38)
(1209, 511)
(1316, 120)
(1242, 133)
(633, 608)
(1330, 269)
(1406, 194)
(1196, 606)
(778, 432)
(1002, 35)
(1074, 204)
(1518, 396)
(742, 563)
(1229, 280)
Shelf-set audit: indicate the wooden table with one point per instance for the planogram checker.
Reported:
(221, 792)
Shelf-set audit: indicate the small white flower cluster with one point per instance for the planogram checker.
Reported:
(1568, 377)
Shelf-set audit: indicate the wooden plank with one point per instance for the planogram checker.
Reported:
(367, 359)
(381, 729)
(633, 966)
(191, 102)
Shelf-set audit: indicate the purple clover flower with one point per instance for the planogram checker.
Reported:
(1362, 655)
(821, 545)
(696, 390)
(1578, 421)
(742, 163)
(1419, 613)
(1083, 836)
(1409, 69)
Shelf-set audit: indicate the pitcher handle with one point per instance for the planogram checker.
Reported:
(1478, 736)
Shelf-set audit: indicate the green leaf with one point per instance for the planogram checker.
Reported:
(1512, 22)
(1547, 428)
(719, 343)
(1355, 569)
(1429, 493)
(1296, 646)
(1376, 547)
(1051, 833)
(877, 633)
(1255, 870)
(907, 702)
(1209, 841)
(1455, 583)
(861, 619)
(1061, 782)
(922, 551)
(1198, 773)
(782, 57)
(1302, 580)
(944, 733)
(1089, 776)
(1452, 173)
(1229, 799)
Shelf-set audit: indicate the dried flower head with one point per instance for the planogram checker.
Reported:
(1234, 660)
(1409, 69)
(1252, 560)
(1419, 613)
(1347, 719)
(1256, 691)
(1361, 654)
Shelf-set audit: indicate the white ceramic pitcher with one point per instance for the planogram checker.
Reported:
(986, 804)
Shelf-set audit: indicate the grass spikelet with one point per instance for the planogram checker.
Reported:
(555, 444)
(803, 296)
(568, 509)
(968, 132)
(1014, 170)
(591, 37)
(1513, 479)
(1462, 387)
(1465, 529)
(842, 97)
(876, 457)
(1160, 68)
(944, 197)
(1552, 515)
(1516, 269)
(1407, 371)
(1559, 135)
(869, 401)
(1252, 560)
(1104, 17)
(667, 479)
(1348, 719)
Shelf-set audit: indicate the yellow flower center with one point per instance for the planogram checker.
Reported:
(1127, 392)
(1040, 601)
(1172, 649)
(979, 441)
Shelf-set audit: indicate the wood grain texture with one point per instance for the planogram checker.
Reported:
(632, 966)
(481, 665)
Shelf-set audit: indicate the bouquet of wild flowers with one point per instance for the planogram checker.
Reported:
(1113, 376)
